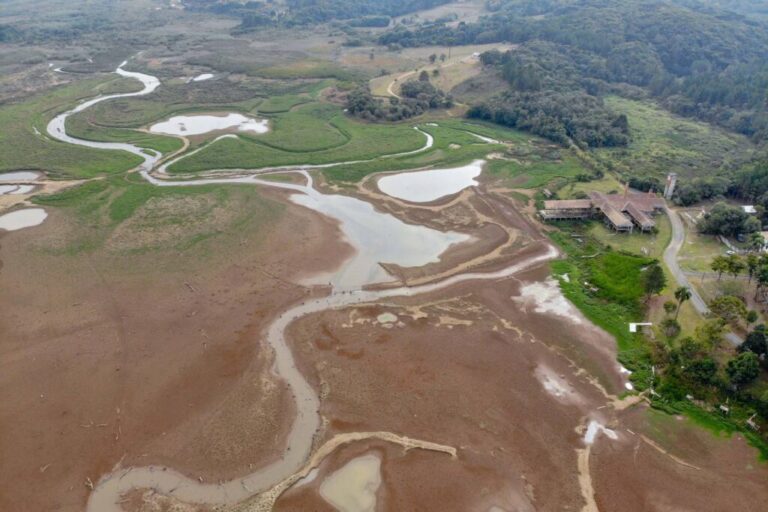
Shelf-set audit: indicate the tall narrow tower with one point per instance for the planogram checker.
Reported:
(669, 188)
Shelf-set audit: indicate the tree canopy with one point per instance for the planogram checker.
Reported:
(698, 60)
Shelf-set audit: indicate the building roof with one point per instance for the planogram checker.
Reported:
(617, 218)
(568, 204)
(646, 203)
(641, 218)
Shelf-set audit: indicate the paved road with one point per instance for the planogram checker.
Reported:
(712, 275)
(670, 258)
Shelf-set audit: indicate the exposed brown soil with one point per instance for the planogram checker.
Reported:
(112, 356)
(667, 464)
(459, 372)
(156, 358)
(459, 368)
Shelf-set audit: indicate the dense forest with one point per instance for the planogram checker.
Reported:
(359, 13)
(550, 96)
(418, 96)
(697, 60)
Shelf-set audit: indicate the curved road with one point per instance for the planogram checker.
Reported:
(670, 259)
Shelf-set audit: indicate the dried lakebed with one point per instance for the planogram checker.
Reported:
(363, 226)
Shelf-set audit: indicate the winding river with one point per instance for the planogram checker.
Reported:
(408, 245)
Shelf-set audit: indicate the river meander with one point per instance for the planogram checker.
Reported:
(376, 237)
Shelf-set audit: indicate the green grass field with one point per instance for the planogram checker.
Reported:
(78, 126)
(646, 244)
(617, 300)
(608, 184)
(284, 103)
(308, 128)
(327, 137)
(663, 143)
(144, 214)
(536, 173)
(23, 144)
(699, 250)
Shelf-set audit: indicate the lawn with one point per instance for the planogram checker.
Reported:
(606, 286)
(699, 250)
(486, 129)
(647, 244)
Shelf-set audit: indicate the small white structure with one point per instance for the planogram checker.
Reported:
(633, 326)
(749, 209)
(669, 188)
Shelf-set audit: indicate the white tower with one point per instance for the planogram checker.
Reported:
(669, 188)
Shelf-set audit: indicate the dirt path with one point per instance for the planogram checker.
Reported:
(398, 79)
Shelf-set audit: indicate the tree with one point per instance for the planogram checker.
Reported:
(670, 327)
(743, 369)
(690, 348)
(724, 219)
(729, 308)
(756, 241)
(762, 280)
(755, 342)
(735, 264)
(442, 57)
(751, 317)
(719, 265)
(654, 281)
(424, 76)
(702, 371)
(682, 294)
(670, 307)
(710, 333)
(752, 263)
(432, 58)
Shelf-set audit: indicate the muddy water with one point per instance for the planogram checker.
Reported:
(200, 124)
(19, 176)
(15, 189)
(426, 186)
(202, 77)
(21, 219)
(547, 298)
(362, 225)
(376, 238)
(353, 487)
